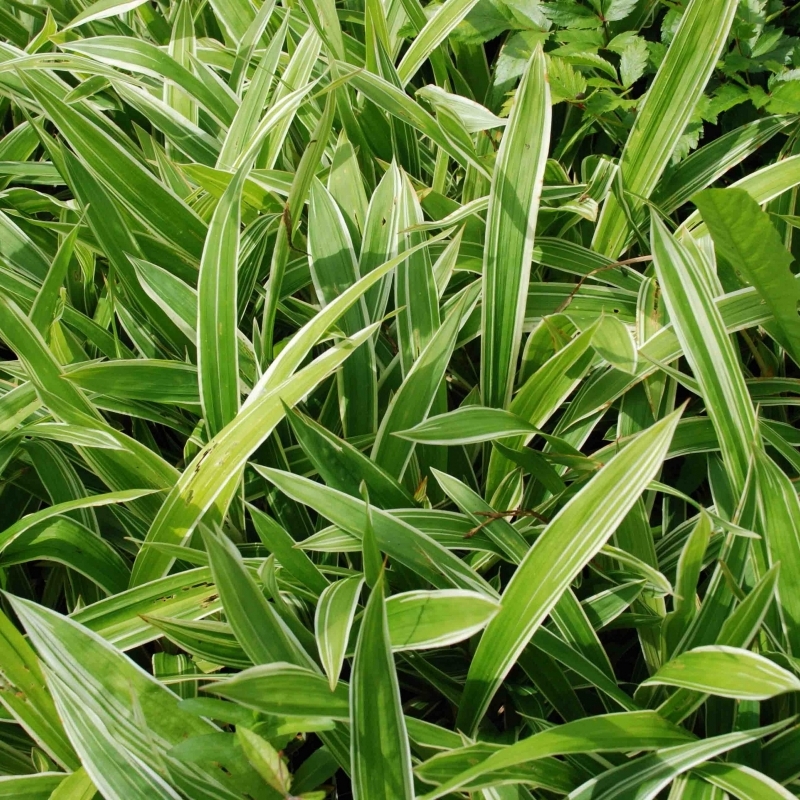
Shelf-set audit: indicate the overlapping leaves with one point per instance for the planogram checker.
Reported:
(397, 400)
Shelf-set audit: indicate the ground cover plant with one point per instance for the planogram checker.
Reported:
(397, 400)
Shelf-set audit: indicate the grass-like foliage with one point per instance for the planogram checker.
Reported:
(398, 399)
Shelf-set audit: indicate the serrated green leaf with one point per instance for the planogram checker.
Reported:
(745, 237)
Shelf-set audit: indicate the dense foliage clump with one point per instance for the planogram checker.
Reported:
(397, 400)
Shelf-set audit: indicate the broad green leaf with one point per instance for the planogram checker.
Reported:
(370, 552)
(74, 434)
(780, 513)
(217, 354)
(415, 293)
(17, 405)
(116, 770)
(548, 774)
(20, 251)
(286, 689)
(763, 185)
(12, 533)
(61, 479)
(200, 484)
(708, 348)
(67, 541)
(235, 16)
(26, 697)
(713, 160)
(738, 631)
(295, 561)
(468, 425)
(121, 619)
(571, 539)
(371, 557)
(656, 580)
(113, 710)
(613, 341)
(152, 380)
(510, 225)
(419, 390)
(144, 196)
(333, 621)
(42, 310)
(346, 185)
(648, 775)
(445, 265)
(31, 787)
(379, 756)
(265, 759)
(342, 466)
(334, 269)
(728, 672)
(690, 564)
(141, 56)
(261, 632)
(444, 527)
(208, 640)
(474, 117)
(472, 209)
(380, 240)
(102, 9)
(438, 28)
(636, 730)
(421, 620)
(182, 48)
(221, 748)
(76, 786)
(742, 781)
(426, 557)
(665, 112)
